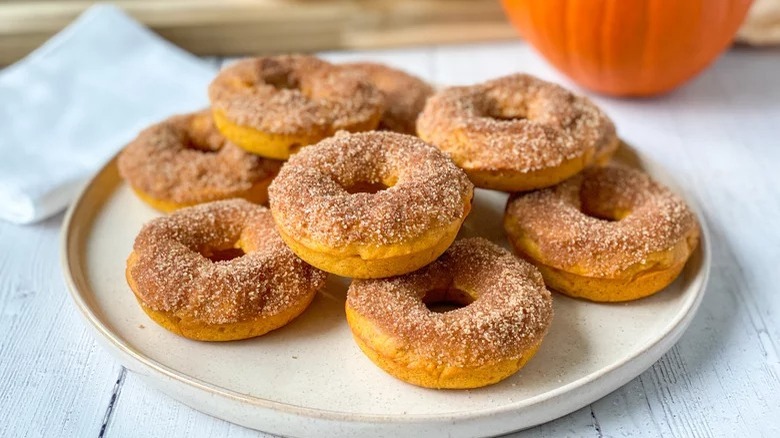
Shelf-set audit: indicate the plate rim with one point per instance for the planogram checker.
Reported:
(109, 339)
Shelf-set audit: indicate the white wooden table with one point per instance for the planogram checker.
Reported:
(720, 135)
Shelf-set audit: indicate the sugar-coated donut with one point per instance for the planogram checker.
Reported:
(507, 312)
(219, 272)
(184, 160)
(272, 106)
(608, 234)
(405, 95)
(370, 205)
(605, 152)
(517, 132)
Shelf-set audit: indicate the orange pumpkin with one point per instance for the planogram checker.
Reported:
(628, 47)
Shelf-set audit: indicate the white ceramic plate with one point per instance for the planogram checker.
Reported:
(310, 379)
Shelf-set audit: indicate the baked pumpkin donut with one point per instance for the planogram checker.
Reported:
(517, 132)
(184, 161)
(219, 272)
(507, 313)
(608, 234)
(605, 152)
(272, 106)
(370, 205)
(404, 94)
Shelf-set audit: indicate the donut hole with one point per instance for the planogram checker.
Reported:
(366, 187)
(202, 145)
(501, 117)
(201, 135)
(608, 216)
(599, 206)
(506, 113)
(446, 300)
(282, 81)
(367, 183)
(222, 254)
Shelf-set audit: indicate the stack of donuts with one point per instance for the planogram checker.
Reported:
(369, 173)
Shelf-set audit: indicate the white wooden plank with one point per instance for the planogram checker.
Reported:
(628, 412)
(579, 423)
(54, 380)
(142, 411)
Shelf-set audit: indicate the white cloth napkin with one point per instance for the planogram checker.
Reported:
(75, 101)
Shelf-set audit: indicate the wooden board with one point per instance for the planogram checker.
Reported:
(232, 27)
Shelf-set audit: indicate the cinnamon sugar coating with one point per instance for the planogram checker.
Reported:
(405, 95)
(516, 122)
(173, 275)
(186, 160)
(424, 190)
(511, 313)
(290, 94)
(604, 220)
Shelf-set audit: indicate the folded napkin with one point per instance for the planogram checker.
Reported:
(75, 101)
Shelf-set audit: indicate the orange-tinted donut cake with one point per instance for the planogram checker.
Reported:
(517, 132)
(184, 161)
(272, 106)
(405, 95)
(608, 234)
(506, 311)
(219, 272)
(370, 205)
